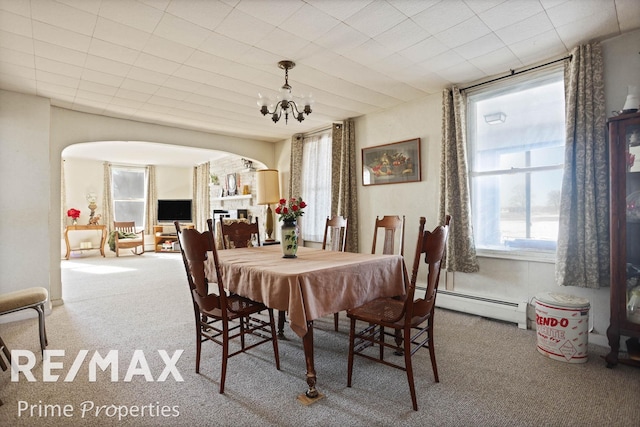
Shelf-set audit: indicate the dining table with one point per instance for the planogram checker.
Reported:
(314, 284)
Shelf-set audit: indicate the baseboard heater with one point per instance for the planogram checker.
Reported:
(507, 311)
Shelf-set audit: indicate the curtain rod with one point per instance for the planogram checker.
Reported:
(515, 73)
(317, 131)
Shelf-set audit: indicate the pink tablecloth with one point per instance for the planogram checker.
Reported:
(314, 284)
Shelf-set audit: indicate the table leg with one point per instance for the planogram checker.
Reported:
(282, 318)
(66, 241)
(103, 240)
(307, 342)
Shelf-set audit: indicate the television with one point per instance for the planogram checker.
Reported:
(170, 210)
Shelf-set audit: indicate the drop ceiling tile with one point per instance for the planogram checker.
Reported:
(135, 14)
(369, 52)
(194, 74)
(273, 11)
(58, 79)
(180, 85)
(167, 49)
(628, 11)
(16, 42)
(103, 89)
(120, 34)
(60, 36)
(376, 18)
(167, 92)
(480, 46)
(309, 23)
(566, 13)
(525, 29)
(52, 90)
(220, 45)
(181, 31)
(413, 7)
(166, 102)
(132, 95)
(109, 66)
(464, 32)
(147, 75)
(102, 78)
(443, 61)
(17, 83)
(283, 43)
(139, 86)
(128, 103)
(342, 38)
(461, 73)
(113, 51)
(90, 6)
(15, 57)
(158, 4)
(481, 6)
(543, 46)
(59, 53)
(61, 15)
(17, 70)
(405, 34)
(424, 50)
(98, 98)
(206, 14)
(22, 8)
(509, 12)
(340, 9)
(602, 24)
(153, 63)
(498, 61)
(244, 28)
(443, 15)
(16, 24)
(58, 67)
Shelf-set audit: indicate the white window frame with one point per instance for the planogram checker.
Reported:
(522, 248)
(316, 184)
(139, 169)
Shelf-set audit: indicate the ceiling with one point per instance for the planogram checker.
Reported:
(200, 64)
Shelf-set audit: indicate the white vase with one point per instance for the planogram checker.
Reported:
(289, 239)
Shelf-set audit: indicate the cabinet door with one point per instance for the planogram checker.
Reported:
(629, 132)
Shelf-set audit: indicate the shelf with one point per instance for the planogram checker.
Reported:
(240, 197)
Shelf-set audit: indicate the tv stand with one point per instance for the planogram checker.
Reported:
(161, 237)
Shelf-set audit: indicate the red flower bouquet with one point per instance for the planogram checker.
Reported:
(73, 213)
(290, 210)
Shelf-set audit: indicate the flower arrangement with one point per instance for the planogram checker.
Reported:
(73, 213)
(290, 210)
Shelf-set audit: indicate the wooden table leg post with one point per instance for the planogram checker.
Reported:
(307, 341)
(282, 318)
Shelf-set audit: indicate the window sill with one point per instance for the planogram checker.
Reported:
(519, 255)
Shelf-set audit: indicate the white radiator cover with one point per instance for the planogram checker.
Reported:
(508, 311)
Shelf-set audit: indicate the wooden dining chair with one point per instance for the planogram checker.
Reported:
(126, 237)
(393, 229)
(335, 239)
(402, 316)
(221, 317)
(239, 234)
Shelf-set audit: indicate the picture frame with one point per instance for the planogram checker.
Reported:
(232, 185)
(393, 163)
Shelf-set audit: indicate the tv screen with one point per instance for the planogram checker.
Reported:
(174, 210)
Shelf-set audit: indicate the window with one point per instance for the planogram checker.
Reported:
(516, 155)
(316, 184)
(128, 187)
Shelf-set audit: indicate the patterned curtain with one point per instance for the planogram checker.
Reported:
(152, 200)
(454, 184)
(107, 208)
(583, 234)
(344, 185)
(201, 195)
(295, 167)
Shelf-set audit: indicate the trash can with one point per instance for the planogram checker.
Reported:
(562, 327)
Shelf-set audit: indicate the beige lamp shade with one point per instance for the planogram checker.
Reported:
(267, 186)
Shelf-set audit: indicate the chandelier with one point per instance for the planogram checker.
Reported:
(284, 101)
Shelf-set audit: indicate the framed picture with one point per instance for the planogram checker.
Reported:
(232, 186)
(391, 163)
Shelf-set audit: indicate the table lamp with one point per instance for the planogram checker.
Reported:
(268, 192)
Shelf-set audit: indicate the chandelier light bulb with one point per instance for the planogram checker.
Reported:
(285, 100)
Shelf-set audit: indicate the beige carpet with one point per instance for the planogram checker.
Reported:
(490, 372)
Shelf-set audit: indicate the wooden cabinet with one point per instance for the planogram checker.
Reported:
(164, 237)
(624, 157)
